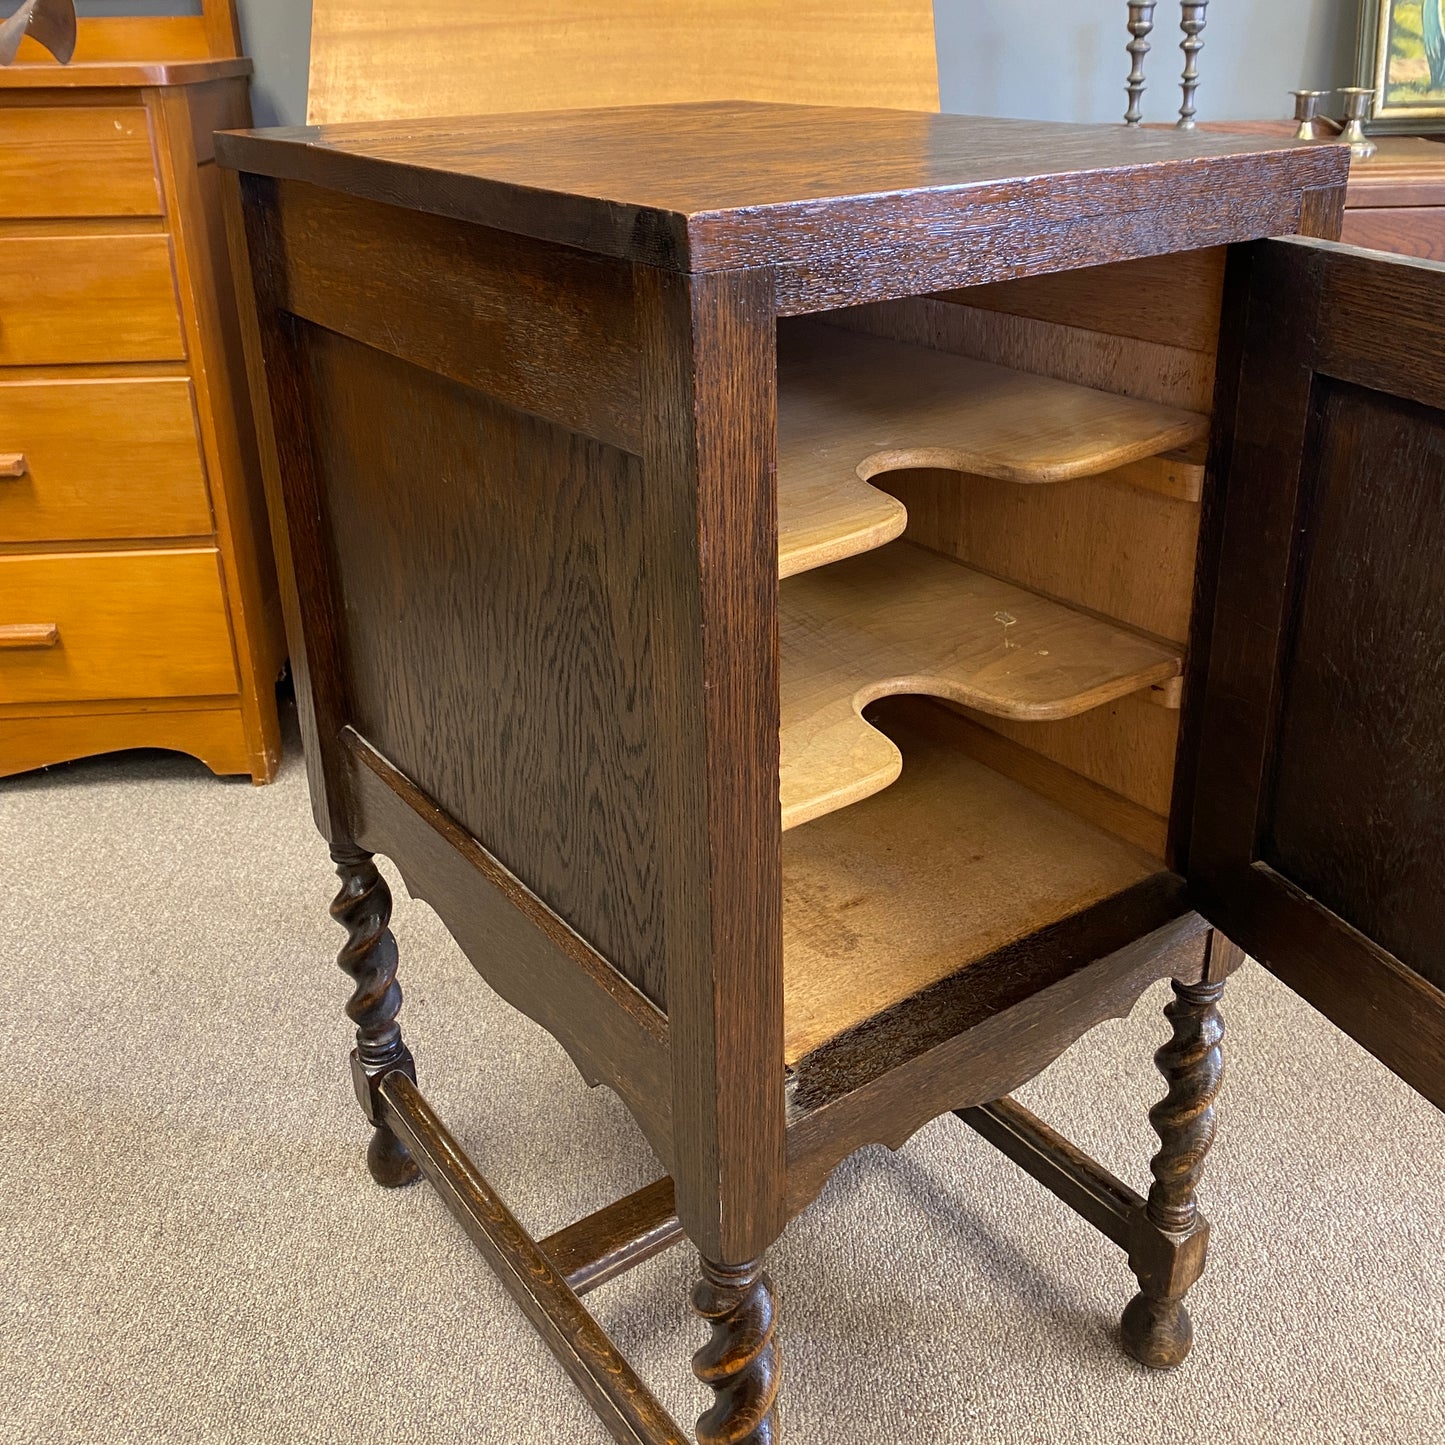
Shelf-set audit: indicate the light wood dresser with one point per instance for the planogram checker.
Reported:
(138, 605)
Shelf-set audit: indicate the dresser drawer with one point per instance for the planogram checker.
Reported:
(85, 626)
(84, 160)
(100, 459)
(87, 298)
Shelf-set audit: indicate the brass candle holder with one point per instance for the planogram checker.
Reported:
(1359, 106)
(1311, 124)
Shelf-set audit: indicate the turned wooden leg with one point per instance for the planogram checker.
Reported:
(740, 1362)
(1168, 1255)
(363, 908)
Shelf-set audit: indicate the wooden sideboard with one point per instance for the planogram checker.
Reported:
(138, 605)
(600, 600)
(1396, 198)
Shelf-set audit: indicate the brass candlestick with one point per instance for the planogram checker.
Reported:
(1359, 105)
(1141, 22)
(1191, 21)
(1312, 125)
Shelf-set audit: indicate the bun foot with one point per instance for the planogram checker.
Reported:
(1156, 1332)
(390, 1164)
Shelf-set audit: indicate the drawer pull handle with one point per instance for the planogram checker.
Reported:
(16, 636)
(13, 464)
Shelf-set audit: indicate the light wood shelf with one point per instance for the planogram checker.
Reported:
(905, 620)
(944, 869)
(851, 407)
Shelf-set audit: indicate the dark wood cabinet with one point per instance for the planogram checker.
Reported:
(1317, 828)
(828, 605)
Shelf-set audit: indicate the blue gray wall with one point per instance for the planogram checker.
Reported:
(1043, 59)
(277, 35)
(1055, 60)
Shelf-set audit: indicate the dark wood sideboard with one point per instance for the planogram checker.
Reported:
(1396, 198)
(828, 606)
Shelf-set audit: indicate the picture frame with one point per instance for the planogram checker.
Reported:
(1401, 56)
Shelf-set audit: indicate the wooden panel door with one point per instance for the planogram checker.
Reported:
(1316, 832)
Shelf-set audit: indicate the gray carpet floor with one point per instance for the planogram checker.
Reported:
(192, 1251)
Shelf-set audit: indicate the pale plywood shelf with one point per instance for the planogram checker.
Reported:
(826, 514)
(853, 406)
(945, 868)
(905, 620)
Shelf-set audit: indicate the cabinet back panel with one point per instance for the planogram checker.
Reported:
(1102, 545)
(491, 570)
(1364, 674)
(1174, 300)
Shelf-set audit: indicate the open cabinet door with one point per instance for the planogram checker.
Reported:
(1315, 807)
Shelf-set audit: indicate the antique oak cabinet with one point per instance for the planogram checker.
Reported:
(830, 604)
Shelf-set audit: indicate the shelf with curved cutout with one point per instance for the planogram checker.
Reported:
(825, 515)
(851, 407)
(905, 620)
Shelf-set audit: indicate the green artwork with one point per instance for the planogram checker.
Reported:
(1414, 65)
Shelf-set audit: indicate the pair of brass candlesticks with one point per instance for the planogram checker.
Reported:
(1359, 103)
(1192, 17)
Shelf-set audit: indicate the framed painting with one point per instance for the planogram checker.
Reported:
(1402, 56)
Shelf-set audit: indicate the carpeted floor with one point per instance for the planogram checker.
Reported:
(192, 1251)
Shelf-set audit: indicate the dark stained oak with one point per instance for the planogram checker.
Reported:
(617, 1238)
(533, 958)
(740, 1362)
(1369, 672)
(472, 304)
(626, 1406)
(710, 456)
(363, 908)
(1156, 1326)
(1316, 797)
(996, 1055)
(490, 566)
(520, 394)
(848, 205)
(303, 568)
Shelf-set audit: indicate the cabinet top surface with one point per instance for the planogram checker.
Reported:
(715, 185)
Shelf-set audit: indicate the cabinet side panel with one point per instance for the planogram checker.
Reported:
(491, 569)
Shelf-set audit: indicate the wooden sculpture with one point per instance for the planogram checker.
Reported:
(49, 22)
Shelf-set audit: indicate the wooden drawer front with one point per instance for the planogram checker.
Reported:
(99, 459)
(126, 624)
(78, 161)
(87, 298)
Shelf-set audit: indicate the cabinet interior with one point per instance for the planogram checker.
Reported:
(988, 513)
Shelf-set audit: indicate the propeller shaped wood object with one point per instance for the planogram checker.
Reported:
(51, 22)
